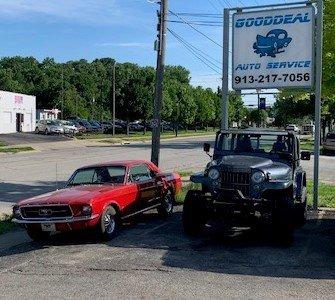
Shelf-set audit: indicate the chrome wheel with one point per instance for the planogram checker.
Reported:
(109, 223)
(168, 203)
(166, 207)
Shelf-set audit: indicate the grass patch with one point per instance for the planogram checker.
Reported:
(185, 173)
(139, 136)
(15, 149)
(6, 225)
(2, 144)
(326, 194)
(180, 198)
(307, 145)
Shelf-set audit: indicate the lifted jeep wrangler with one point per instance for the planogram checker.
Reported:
(253, 178)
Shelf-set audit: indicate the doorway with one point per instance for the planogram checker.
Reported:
(19, 121)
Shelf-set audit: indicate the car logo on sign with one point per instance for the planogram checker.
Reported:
(273, 43)
(45, 212)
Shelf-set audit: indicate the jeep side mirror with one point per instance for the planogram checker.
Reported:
(305, 155)
(207, 147)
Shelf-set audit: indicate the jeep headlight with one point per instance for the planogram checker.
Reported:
(214, 174)
(258, 177)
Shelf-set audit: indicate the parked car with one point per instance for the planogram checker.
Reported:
(255, 179)
(49, 127)
(69, 127)
(108, 127)
(95, 126)
(86, 124)
(100, 197)
(79, 127)
(293, 127)
(329, 143)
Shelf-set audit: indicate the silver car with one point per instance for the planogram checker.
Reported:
(49, 127)
(329, 143)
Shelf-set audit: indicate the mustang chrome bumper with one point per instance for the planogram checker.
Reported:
(55, 220)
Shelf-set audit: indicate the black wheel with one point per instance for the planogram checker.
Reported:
(283, 223)
(194, 213)
(37, 130)
(46, 131)
(36, 234)
(109, 224)
(166, 208)
(301, 210)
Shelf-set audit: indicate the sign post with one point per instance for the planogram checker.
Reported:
(318, 89)
(274, 47)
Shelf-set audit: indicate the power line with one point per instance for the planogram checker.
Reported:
(198, 23)
(203, 59)
(196, 29)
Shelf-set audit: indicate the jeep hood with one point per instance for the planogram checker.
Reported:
(242, 163)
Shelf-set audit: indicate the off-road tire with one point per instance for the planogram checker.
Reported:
(194, 213)
(37, 234)
(283, 220)
(166, 208)
(300, 211)
(109, 224)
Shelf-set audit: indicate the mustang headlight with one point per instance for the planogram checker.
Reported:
(258, 177)
(86, 210)
(214, 174)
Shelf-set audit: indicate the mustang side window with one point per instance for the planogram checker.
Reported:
(83, 177)
(139, 173)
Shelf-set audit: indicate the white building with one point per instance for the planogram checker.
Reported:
(17, 112)
(47, 114)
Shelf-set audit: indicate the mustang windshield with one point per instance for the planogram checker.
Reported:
(256, 143)
(98, 175)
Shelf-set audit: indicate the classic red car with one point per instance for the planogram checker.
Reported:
(100, 197)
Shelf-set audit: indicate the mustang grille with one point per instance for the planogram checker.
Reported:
(46, 211)
(237, 181)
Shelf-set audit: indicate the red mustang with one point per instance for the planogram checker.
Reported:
(100, 197)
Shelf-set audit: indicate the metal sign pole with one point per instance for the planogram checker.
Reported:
(225, 70)
(318, 88)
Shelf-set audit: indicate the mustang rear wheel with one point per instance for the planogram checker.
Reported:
(109, 223)
(36, 234)
(194, 213)
(166, 208)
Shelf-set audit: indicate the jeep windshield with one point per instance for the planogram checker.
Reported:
(275, 145)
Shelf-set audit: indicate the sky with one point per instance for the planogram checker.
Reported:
(121, 29)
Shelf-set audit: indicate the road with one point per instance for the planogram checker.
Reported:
(153, 259)
(28, 174)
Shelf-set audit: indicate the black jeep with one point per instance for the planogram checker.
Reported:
(253, 178)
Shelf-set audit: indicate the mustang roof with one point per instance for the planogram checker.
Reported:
(126, 163)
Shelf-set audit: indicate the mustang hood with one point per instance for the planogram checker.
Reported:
(71, 195)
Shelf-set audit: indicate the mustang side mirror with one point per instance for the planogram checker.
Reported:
(305, 155)
(207, 147)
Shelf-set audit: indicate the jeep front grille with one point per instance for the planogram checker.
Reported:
(237, 181)
(46, 211)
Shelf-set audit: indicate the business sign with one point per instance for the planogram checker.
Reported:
(273, 49)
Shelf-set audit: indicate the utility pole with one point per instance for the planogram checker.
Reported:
(114, 65)
(225, 71)
(62, 103)
(318, 86)
(156, 132)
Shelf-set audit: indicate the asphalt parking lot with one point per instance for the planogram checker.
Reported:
(152, 258)
(13, 139)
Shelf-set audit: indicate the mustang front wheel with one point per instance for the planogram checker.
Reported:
(109, 223)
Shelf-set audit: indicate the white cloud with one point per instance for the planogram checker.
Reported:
(97, 11)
